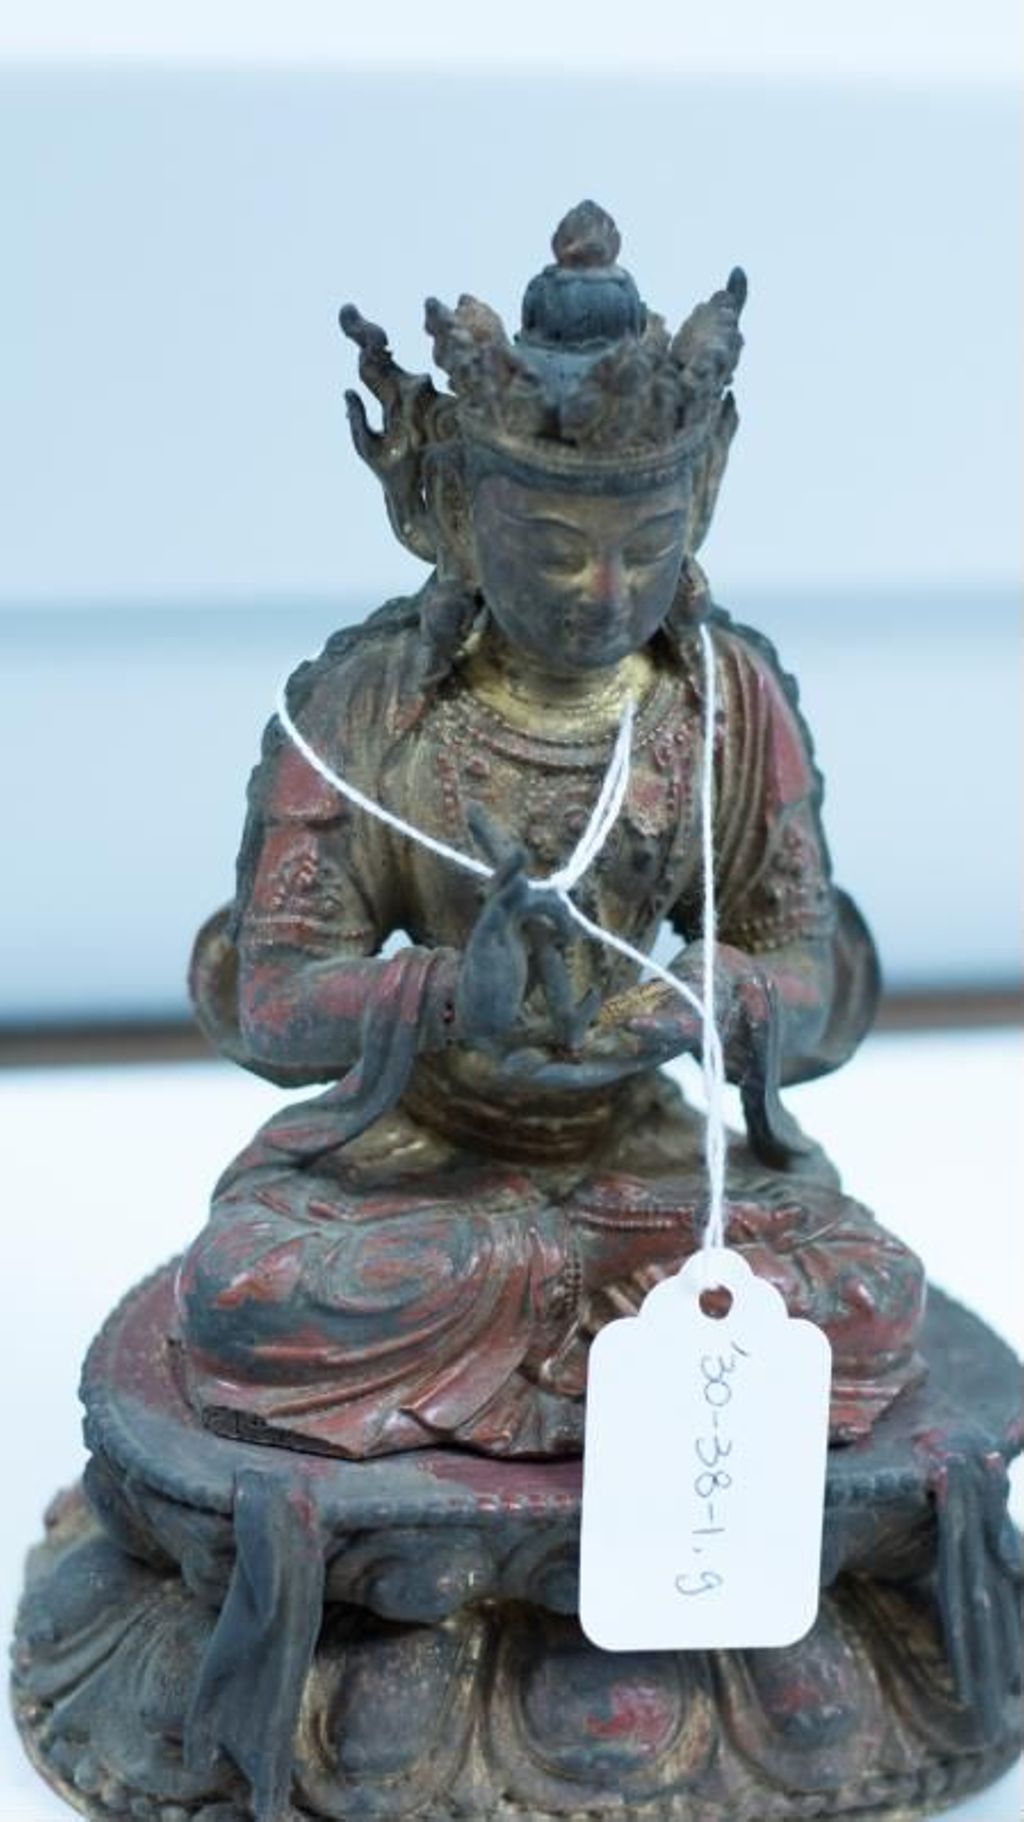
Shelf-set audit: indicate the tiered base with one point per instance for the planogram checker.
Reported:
(214, 1631)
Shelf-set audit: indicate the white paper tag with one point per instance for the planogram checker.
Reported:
(704, 1469)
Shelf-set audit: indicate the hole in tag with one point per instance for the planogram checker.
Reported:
(716, 1301)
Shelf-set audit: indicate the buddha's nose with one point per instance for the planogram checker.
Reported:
(610, 581)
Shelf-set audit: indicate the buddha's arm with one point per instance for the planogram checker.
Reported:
(791, 984)
(779, 915)
(314, 907)
(774, 956)
(313, 1014)
(799, 978)
(777, 909)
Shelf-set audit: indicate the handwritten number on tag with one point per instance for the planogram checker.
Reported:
(708, 1580)
(711, 1480)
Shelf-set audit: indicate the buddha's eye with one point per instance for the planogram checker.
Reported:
(551, 547)
(654, 542)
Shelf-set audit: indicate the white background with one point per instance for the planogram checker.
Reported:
(916, 39)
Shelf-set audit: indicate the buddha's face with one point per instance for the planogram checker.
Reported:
(576, 581)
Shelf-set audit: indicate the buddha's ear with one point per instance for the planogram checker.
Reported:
(448, 613)
(690, 605)
(446, 487)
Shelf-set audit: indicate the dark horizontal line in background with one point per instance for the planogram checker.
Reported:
(178, 1041)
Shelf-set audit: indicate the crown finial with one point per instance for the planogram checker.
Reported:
(587, 236)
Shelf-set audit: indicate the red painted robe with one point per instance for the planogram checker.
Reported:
(437, 1276)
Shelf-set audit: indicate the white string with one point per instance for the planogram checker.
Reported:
(602, 820)
(712, 1060)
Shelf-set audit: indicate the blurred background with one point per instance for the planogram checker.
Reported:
(190, 193)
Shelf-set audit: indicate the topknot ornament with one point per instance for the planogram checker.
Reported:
(584, 302)
(587, 236)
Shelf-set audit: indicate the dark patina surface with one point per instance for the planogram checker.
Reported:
(324, 1560)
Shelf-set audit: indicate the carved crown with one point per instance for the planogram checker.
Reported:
(592, 387)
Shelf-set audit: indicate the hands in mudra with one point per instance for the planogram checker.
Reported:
(521, 936)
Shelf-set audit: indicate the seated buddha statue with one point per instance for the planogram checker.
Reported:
(497, 1163)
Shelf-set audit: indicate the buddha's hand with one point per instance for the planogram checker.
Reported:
(649, 1024)
(656, 1022)
(519, 927)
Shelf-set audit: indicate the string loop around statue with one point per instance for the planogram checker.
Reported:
(601, 821)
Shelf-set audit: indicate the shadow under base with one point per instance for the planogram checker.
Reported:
(213, 1631)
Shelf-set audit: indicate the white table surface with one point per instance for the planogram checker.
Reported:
(107, 1172)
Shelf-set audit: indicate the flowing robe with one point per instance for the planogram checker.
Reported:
(437, 1275)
